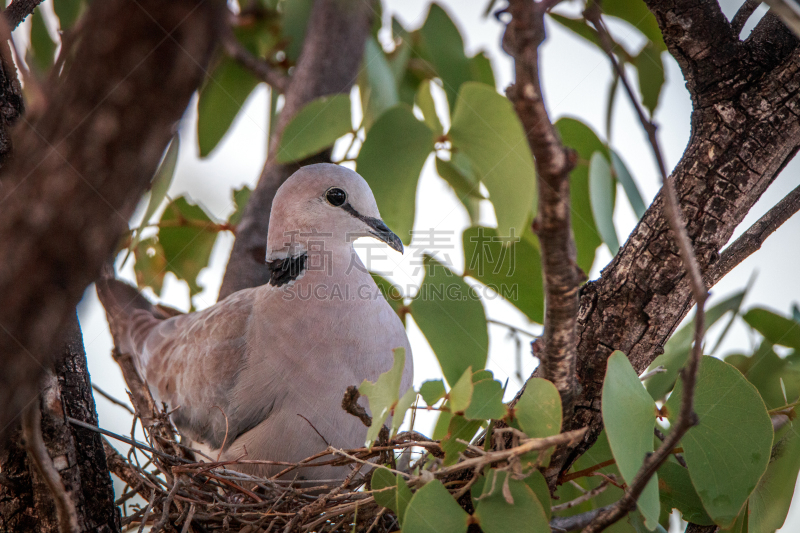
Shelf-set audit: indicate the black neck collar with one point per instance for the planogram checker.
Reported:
(283, 271)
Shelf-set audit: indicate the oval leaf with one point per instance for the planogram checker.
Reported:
(725, 403)
(487, 130)
(774, 327)
(433, 510)
(513, 271)
(391, 160)
(315, 128)
(603, 193)
(538, 411)
(432, 391)
(441, 45)
(629, 416)
(377, 84)
(772, 498)
(424, 101)
(507, 505)
(220, 100)
(486, 402)
(452, 318)
(384, 394)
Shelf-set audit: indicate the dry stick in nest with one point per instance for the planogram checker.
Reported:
(686, 417)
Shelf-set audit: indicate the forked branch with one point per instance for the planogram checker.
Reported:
(686, 417)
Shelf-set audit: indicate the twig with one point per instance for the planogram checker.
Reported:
(743, 14)
(188, 521)
(147, 512)
(126, 440)
(562, 277)
(751, 240)
(686, 417)
(657, 370)
(582, 498)
(578, 521)
(511, 327)
(350, 404)
(256, 65)
(32, 433)
(111, 399)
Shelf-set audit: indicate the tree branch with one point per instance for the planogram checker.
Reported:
(575, 522)
(256, 65)
(742, 15)
(328, 64)
(686, 417)
(18, 10)
(562, 277)
(80, 167)
(751, 240)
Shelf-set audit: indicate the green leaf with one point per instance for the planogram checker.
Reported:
(441, 44)
(513, 271)
(487, 401)
(392, 293)
(384, 394)
(433, 510)
(486, 128)
(68, 12)
(187, 236)
(774, 327)
(538, 485)
(725, 462)
(240, 199)
(538, 411)
(382, 480)
(460, 394)
(765, 369)
(677, 492)
(465, 188)
(150, 266)
(315, 128)
(442, 424)
(397, 137)
(432, 391)
(480, 67)
(603, 193)
(579, 136)
(651, 75)
(676, 351)
(399, 411)
(377, 84)
(629, 417)
(459, 429)
(509, 505)
(451, 316)
(770, 502)
(424, 101)
(636, 13)
(221, 99)
(403, 498)
(628, 185)
(162, 179)
(43, 48)
(579, 27)
(295, 19)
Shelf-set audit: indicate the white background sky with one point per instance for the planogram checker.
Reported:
(576, 79)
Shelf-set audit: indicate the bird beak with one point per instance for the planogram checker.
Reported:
(382, 232)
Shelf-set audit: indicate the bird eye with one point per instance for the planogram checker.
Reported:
(336, 196)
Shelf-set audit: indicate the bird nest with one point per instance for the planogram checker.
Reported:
(183, 494)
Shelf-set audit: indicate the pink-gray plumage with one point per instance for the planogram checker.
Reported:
(275, 360)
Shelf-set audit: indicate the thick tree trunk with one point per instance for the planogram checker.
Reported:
(745, 129)
(26, 502)
(80, 166)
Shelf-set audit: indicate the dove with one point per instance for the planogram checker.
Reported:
(261, 374)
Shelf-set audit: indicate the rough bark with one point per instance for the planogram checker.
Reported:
(561, 274)
(80, 167)
(328, 64)
(26, 503)
(17, 10)
(745, 129)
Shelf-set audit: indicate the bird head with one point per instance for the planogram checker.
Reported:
(324, 203)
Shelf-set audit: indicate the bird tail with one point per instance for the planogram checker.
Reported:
(131, 316)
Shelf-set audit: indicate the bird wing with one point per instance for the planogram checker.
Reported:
(190, 362)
